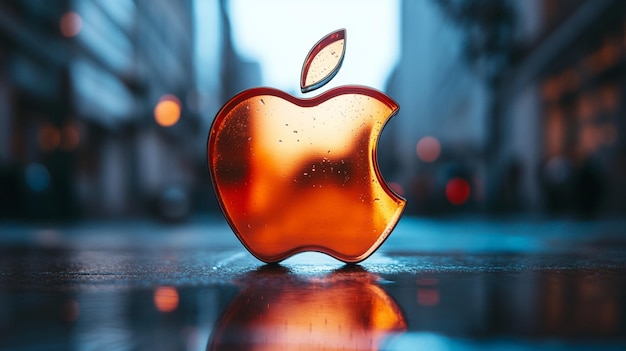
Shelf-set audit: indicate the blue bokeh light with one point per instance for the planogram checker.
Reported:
(37, 177)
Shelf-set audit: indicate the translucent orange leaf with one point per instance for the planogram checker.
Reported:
(323, 61)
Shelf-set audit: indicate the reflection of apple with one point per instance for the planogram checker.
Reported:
(277, 310)
(295, 175)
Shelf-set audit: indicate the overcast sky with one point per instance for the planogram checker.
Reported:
(279, 33)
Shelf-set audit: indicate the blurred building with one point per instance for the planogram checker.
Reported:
(439, 134)
(105, 106)
(37, 131)
(236, 73)
(564, 121)
(133, 79)
(546, 136)
(80, 81)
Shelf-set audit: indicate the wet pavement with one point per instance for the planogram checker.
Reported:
(460, 284)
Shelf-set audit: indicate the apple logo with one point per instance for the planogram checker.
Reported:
(294, 175)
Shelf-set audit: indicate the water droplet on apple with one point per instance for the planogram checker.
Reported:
(262, 102)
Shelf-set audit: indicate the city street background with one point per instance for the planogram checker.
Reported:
(509, 146)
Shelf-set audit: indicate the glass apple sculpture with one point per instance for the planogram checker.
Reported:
(294, 175)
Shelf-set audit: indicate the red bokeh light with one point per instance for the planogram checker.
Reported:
(48, 137)
(457, 191)
(71, 24)
(397, 188)
(70, 137)
(428, 149)
(427, 296)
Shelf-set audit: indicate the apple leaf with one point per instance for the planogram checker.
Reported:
(323, 61)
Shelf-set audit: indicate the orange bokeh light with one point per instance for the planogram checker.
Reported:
(457, 191)
(167, 111)
(48, 137)
(71, 24)
(166, 298)
(428, 149)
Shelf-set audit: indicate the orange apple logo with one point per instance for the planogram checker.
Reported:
(294, 175)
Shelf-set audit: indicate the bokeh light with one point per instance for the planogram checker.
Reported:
(428, 149)
(427, 296)
(48, 137)
(70, 137)
(166, 298)
(167, 111)
(457, 191)
(37, 177)
(427, 292)
(71, 23)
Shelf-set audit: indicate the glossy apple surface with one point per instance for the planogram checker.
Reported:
(294, 175)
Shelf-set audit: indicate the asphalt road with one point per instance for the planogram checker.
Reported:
(463, 284)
